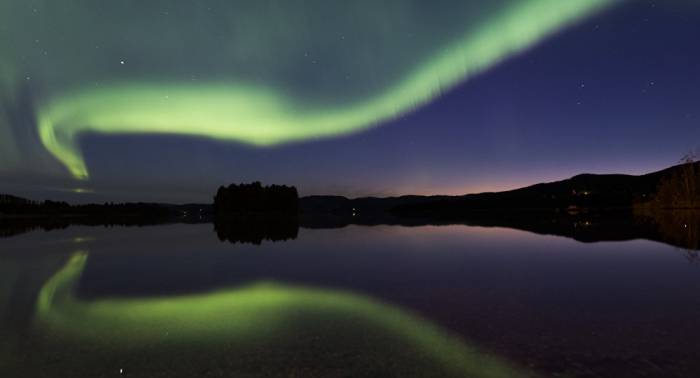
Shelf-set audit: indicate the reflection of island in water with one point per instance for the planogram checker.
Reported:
(679, 228)
(256, 229)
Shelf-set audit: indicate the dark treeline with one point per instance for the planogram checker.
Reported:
(255, 198)
(19, 215)
(679, 189)
(19, 206)
(6, 199)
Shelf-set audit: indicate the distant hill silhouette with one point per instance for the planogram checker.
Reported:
(10, 205)
(365, 205)
(586, 191)
(581, 192)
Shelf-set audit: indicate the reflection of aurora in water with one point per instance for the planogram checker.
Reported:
(263, 314)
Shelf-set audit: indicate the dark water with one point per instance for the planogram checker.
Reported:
(175, 301)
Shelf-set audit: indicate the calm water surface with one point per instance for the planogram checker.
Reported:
(173, 300)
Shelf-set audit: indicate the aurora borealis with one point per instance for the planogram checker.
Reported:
(254, 100)
(255, 76)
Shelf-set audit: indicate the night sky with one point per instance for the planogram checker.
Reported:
(166, 100)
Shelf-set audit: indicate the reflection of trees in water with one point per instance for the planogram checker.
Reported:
(680, 227)
(9, 229)
(16, 226)
(683, 227)
(256, 229)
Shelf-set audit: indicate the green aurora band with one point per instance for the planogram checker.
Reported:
(264, 312)
(263, 99)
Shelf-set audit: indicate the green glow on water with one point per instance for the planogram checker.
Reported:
(266, 312)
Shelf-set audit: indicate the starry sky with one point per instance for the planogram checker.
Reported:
(166, 100)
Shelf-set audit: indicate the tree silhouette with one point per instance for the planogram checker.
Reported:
(255, 198)
(681, 190)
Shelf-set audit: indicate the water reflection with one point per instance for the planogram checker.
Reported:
(256, 229)
(14, 227)
(680, 228)
(339, 332)
(173, 300)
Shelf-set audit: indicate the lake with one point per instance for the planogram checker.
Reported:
(181, 300)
